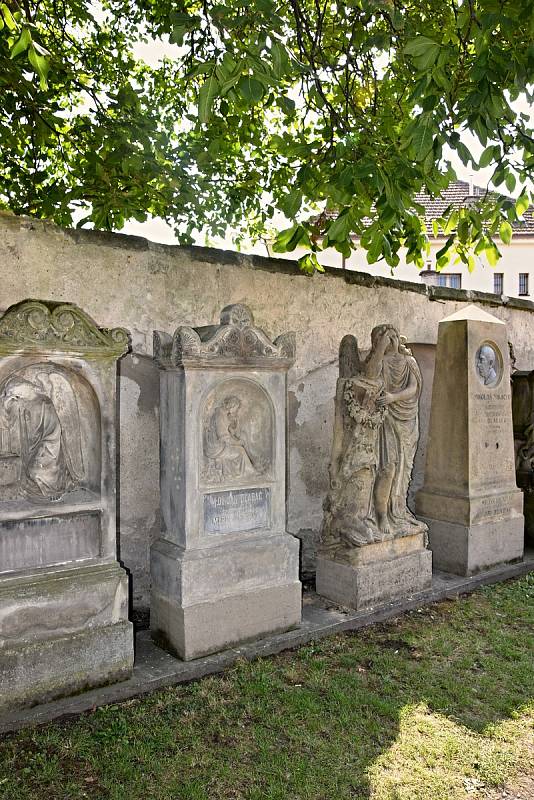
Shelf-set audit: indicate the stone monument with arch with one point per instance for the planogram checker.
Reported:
(63, 595)
(224, 569)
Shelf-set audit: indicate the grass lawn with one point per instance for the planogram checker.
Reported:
(435, 705)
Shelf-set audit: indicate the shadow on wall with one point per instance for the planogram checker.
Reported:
(425, 355)
(310, 425)
(138, 453)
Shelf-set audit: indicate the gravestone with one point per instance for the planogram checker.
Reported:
(63, 596)
(523, 420)
(224, 569)
(469, 499)
(372, 549)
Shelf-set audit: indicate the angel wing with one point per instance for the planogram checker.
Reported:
(349, 357)
(63, 397)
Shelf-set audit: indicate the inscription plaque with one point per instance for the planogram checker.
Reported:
(237, 510)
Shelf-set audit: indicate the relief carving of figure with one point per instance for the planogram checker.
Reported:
(40, 430)
(376, 431)
(227, 456)
(487, 365)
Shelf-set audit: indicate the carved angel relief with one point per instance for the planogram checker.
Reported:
(40, 441)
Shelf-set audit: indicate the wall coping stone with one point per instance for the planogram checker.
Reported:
(213, 255)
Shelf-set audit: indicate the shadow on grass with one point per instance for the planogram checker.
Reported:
(426, 706)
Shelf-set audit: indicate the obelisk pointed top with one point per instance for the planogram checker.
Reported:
(472, 313)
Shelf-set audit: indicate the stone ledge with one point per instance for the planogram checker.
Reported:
(155, 669)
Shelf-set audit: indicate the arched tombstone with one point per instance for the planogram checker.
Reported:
(224, 570)
(63, 595)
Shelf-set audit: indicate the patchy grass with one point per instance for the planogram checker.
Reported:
(435, 705)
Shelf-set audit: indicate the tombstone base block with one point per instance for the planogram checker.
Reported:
(208, 600)
(466, 550)
(375, 582)
(64, 631)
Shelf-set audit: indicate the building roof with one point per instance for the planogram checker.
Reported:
(461, 193)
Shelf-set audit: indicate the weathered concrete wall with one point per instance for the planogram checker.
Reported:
(143, 286)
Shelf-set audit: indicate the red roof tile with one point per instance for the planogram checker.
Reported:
(459, 194)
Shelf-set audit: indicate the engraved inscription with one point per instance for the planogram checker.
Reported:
(491, 419)
(488, 364)
(237, 510)
(489, 508)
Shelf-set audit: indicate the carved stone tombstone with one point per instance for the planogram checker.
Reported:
(373, 550)
(63, 596)
(523, 419)
(224, 569)
(469, 499)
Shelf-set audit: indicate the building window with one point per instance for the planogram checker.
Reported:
(453, 280)
(498, 282)
(523, 283)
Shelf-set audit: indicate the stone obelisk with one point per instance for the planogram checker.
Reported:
(469, 499)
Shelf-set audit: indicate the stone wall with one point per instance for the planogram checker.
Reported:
(142, 286)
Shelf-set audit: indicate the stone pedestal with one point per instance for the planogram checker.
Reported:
(378, 573)
(63, 596)
(224, 570)
(470, 500)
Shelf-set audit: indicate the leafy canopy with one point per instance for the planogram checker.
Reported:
(335, 114)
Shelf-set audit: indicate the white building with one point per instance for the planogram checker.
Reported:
(513, 276)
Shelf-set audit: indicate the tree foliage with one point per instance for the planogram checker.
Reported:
(336, 114)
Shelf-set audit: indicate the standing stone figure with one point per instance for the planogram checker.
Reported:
(376, 431)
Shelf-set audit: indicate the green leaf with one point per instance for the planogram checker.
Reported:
(40, 64)
(22, 44)
(493, 255)
(250, 89)
(423, 136)
(309, 264)
(290, 238)
(8, 17)
(424, 52)
(464, 153)
(280, 59)
(505, 232)
(510, 182)
(489, 155)
(206, 95)
(521, 204)
(291, 203)
(463, 230)
(340, 228)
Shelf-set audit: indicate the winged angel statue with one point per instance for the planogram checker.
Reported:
(40, 424)
(376, 430)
